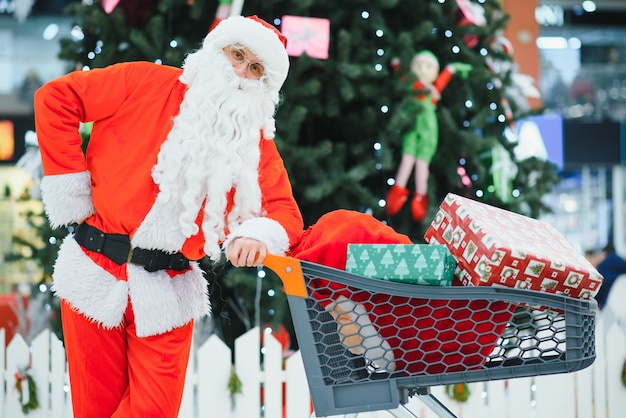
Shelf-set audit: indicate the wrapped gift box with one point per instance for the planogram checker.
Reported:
(493, 246)
(407, 263)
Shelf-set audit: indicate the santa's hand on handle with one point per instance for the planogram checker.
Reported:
(246, 252)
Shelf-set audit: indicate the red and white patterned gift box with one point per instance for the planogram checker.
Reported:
(493, 246)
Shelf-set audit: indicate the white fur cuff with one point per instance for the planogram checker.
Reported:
(67, 198)
(266, 230)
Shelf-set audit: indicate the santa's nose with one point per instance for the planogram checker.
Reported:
(241, 68)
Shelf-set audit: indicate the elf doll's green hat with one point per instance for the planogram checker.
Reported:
(427, 56)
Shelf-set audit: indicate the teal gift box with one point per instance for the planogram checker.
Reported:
(427, 264)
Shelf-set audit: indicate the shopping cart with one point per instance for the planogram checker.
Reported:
(370, 345)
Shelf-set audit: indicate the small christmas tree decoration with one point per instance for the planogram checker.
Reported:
(624, 374)
(459, 392)
(234, 383)
(306, 35)
(27, 390)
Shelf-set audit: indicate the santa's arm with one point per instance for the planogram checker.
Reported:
(281, 226)
(60, 106)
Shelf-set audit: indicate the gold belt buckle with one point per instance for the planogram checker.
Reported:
(130, 255)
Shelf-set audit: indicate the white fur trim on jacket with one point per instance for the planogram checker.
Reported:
(159, 229)
(266, 230)
(87, 287)
(160, 303)
(67, 198)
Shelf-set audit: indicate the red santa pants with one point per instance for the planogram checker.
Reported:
(115, 374)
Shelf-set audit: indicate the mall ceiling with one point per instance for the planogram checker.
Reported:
(608, 12)
(602, 5)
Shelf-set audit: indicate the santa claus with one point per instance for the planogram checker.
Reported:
(180, 164)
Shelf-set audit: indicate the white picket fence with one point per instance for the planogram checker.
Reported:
(594, 392)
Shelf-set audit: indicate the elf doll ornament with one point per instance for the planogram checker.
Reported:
(420, 144)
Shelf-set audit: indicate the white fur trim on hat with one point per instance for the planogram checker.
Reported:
(263, 41)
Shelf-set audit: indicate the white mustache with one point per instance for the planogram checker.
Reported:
(245, 84)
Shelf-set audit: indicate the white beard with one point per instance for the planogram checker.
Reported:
(213, 147)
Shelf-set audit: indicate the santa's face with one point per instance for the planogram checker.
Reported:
(244, 62)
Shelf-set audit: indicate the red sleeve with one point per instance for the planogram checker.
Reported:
(60, 106)
(278, 201)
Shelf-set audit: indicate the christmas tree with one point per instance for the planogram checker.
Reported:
(342, 118)
(343, 114)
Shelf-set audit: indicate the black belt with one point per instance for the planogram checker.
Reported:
(117, 248)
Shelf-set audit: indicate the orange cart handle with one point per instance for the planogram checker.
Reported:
(290, 273)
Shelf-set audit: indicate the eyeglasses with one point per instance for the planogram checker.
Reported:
(238, 55)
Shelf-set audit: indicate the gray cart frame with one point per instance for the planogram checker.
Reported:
(543, 334)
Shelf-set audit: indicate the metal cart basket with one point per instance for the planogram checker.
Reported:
(369, 344)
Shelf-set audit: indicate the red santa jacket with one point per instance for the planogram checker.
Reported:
(132, 106)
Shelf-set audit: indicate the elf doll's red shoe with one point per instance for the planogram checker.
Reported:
(396, 198)
(419, 207)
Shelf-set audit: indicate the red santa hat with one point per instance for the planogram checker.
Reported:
(263, 39)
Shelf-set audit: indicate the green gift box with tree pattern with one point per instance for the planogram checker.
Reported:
(424, 264)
